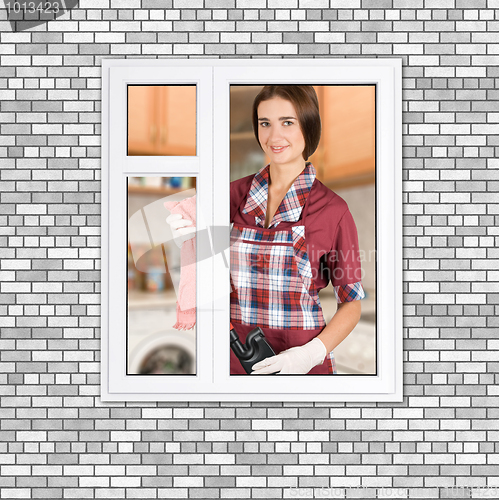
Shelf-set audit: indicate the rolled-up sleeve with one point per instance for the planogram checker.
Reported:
(344, 262)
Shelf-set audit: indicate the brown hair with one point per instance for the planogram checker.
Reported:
(304, 99)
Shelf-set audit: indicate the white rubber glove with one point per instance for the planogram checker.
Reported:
(297, 360)
(180, 232)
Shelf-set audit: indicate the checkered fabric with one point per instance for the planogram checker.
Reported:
(292, 204)
(331, 363)
(272, 281)
(304, 267)
(350, 292)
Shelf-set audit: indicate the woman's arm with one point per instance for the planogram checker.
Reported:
(300, 360)
(342, 323)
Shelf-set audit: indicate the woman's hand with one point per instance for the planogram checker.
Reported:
(180, 232)
(300, 360)
(297, 360)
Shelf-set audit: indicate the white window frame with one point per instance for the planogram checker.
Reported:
(213, 78)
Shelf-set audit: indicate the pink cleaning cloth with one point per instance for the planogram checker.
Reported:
(186, 300)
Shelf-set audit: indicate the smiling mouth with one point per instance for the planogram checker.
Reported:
(278, 149)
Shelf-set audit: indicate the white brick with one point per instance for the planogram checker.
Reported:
(315, 26)
(267, 424)
(314, 4)
(17, 60)
(424, 287)
(440, 4)
(251, 482)
(125, 436)
(282, 436)
(188, 482)
(424, 60)
(346, 4)
(188, 413)
(282, 48)
(188, 4)
(319, 436)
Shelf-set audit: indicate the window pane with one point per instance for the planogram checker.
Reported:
(162, 120)
(345, 163)
(161, 291)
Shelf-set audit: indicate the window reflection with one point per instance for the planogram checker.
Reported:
(156, 266)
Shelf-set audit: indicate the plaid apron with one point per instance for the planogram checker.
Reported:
(273, 288)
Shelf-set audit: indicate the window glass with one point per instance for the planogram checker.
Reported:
(345, 163)
(161, 298)
(161, 120)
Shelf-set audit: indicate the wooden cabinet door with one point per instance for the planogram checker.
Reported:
(142, 119)
(346, 152)
(177, 120)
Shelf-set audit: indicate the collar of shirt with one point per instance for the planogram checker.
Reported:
(292, 204)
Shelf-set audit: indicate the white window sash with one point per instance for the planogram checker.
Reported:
(211, 166)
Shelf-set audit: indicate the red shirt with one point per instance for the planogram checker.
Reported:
(330, 231)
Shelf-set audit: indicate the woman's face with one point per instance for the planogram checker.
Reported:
(279, 131)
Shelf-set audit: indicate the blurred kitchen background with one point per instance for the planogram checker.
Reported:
(161, 122)
(345, 162)
(153, 346)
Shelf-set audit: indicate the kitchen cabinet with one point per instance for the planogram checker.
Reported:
(346, 153)
(162, 120)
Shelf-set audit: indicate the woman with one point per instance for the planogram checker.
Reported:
(291, 235)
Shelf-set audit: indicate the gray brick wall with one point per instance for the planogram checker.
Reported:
(58, 440)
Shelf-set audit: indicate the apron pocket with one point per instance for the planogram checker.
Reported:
(303, 263)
